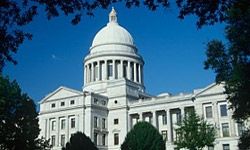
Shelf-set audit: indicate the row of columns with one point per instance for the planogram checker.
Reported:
(155, 122)
(113, 69)
(58, 131)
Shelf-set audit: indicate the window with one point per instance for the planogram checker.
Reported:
(104, 139)
(209, 112)
(95, 138)
(73, 122)
(223, 110)
(95, 100)
(116, 121)
(164, 134)
(116, 139)
(178, 117)
(225, 129)
(62, 140)
(188, 110)
(63, 123)
(226, 147)
(62, 103)
(53, 125)
(164, 119)
(95, 122)
(210, 148)
(53, 105)
(103, 123)
(72, 102)
(53, 140)
(241, 128)
(110, 70)
(104, 102)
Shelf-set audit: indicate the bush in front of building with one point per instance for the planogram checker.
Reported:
(143, 136)
(79, 141)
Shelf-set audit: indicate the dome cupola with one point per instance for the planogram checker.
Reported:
(113, 36)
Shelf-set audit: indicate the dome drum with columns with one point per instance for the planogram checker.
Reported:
(112, 56)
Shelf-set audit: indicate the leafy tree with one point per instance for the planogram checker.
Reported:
(231, 62)
(244, 140)
(18, 119)
(143, 136)
(79, 141)
(194, 133)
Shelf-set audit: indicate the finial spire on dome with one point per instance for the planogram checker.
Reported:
(112, 16)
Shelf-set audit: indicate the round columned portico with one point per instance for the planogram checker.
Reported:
(112, 57)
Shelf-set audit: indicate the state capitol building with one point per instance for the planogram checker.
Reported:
(113, 99)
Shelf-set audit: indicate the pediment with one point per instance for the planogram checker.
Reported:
(61, 92)
(211, 90)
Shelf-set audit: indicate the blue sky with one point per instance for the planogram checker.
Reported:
(173, 50)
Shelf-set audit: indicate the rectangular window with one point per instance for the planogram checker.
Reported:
(164, 134)
(116, 121)
(223, 110)
(95, 138)
(72, 102)
(116, 139)
(110, 70)
(53, 125)
(226, 147)
(241, 128)
(62, 103)
(164, 119)
(104, 102)
(53, 140)
(210, 148)
(72, 122)
(95, 100)
(209, 112)
(63, 124)
(53, 105)
(104, 139)
(62, 140)
(95, 122)
(103, 123)
(178, 117)
(225, 129)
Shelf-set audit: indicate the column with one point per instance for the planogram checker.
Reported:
(114, 73)
(154, 119)
(58, 129)
(93, 71)
(121, 69)
(182, 112)
(99, 71)
(139, 73)
(105, 70)
(216, 118)
(47, 129)
(169, 125)
(129, 71)
(88, 73)
(135, 72)
(67, 128)
(85, 74)
(140, 116)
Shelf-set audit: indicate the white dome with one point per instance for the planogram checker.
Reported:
(113, 39)
(113, 33)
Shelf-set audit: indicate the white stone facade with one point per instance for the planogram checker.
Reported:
(114, 99)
